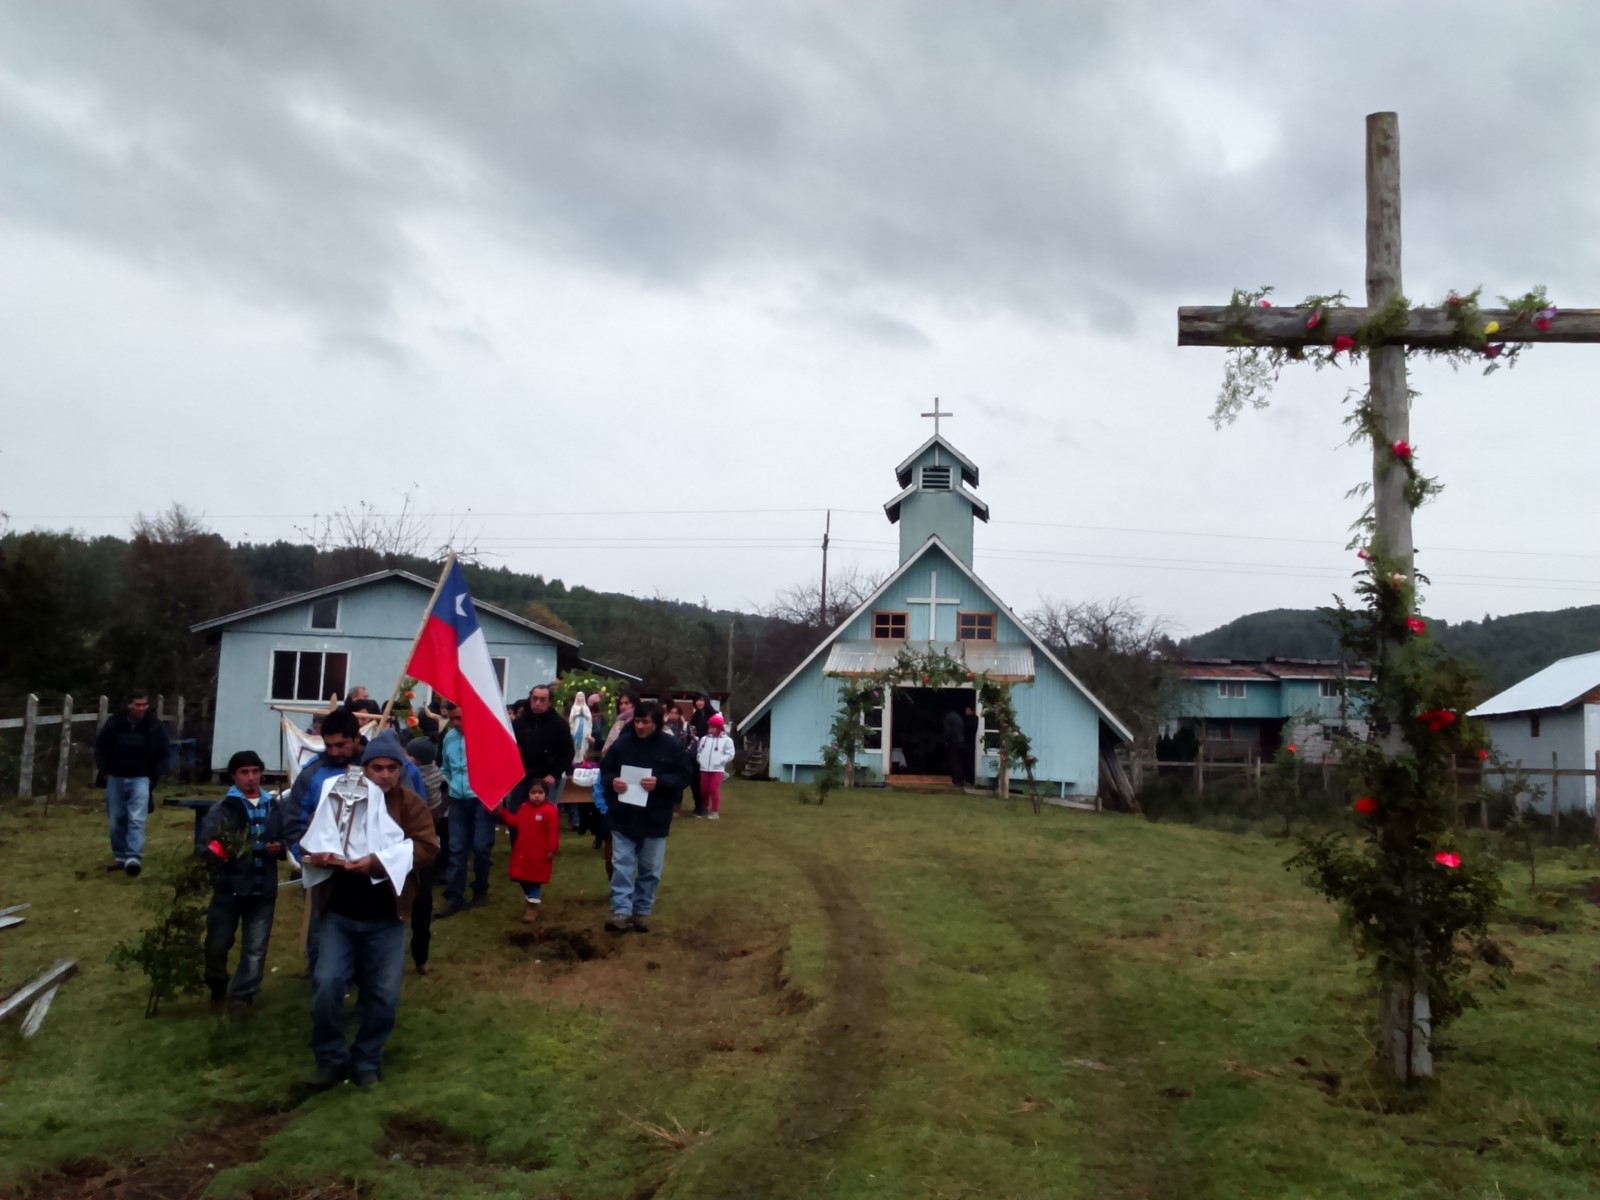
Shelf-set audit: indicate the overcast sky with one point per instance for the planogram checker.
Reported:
(555, 262)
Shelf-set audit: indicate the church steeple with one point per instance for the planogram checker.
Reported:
(934, 500)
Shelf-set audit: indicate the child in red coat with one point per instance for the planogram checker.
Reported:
(537, 826)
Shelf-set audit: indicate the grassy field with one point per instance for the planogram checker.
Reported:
(899, 996)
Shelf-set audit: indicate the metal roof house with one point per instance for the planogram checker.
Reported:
(302, 649)
(1552, 716)
(934, 601)
(1250, 707)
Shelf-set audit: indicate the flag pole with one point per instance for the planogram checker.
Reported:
(422, 626)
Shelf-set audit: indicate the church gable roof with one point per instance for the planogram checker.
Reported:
(892, 507)
(760, 710)
(969, 469)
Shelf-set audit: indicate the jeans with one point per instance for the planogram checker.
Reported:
(531, 891)
(227, 914)
(471, 832)
(635, 873)
(127, 805)
(378, 950)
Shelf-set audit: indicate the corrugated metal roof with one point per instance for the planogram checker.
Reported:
(1272, 669)
(1557, 686)
(1225, 671)
(1010, 661)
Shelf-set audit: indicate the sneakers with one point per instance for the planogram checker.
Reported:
(716, 816)
(530, 913)
(618, 923)
(641, 924)
(133, 869)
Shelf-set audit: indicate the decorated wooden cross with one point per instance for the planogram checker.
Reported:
(1385, 330)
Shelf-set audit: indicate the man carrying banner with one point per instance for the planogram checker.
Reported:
(362, 851)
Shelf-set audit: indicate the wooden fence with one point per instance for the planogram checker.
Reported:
(1201, 768)
(30, 723)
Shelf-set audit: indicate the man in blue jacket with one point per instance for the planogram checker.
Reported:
(241, 839)
(640, 821)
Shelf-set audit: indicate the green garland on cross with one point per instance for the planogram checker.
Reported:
(1411, 902)
(859, 694)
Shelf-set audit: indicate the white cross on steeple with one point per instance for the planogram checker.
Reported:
(937, 416)
(932, 600)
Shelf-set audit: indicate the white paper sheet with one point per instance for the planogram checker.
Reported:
(634, 777)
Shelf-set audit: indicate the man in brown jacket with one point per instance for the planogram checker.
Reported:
(361, 862)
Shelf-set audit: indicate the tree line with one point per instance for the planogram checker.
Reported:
(105, 614)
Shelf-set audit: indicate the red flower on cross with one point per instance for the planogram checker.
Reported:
(1366, 806)
(1417, 625)
(1402, 450)
(217, 849)
(1315, 319)
(1437, 719)
(1541, 322)
(1483, 756)
(1445, 858)
(1290, 747)
(1343, 342)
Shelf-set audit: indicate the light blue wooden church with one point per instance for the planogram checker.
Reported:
(934, 601)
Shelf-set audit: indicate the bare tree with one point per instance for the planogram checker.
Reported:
(369, 532)
(1124, 657)
(801, 603)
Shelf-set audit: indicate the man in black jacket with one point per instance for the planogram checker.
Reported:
(640, 814)
(545, 744)
(242, 841)
(129, 753)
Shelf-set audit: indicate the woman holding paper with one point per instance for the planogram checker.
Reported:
(644, 774)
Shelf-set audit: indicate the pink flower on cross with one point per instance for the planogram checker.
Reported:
(1542, 319)
(1315, 319)
(217, 849)
(1364, 554)
(1402, 450)
(1417, 625)
(1343, 342)
(1263, 303)
(1495, 350)
(1447, 859)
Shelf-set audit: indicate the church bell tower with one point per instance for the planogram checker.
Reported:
(934, 500)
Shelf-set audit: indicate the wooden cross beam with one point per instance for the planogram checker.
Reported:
(1426, 327)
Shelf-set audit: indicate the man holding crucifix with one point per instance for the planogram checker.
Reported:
(361, 854)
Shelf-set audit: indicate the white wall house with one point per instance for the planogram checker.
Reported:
(1550, 718)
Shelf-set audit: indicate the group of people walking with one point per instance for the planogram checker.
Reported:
(372, 822)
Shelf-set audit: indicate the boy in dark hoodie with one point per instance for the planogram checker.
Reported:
(242, 840)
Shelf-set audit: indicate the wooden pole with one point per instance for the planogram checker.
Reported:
(64, 756)
(383, 719)
(1555, 793)
(1406, 1018)
(827, 529)
(30, 730)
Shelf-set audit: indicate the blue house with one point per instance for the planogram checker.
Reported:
(299, 651)
(935, 602)
(1249, 708)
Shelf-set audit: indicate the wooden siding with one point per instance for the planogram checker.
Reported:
(376, 625)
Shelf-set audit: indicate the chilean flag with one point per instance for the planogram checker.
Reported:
(452, 657)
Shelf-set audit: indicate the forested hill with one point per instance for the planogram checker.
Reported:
(1505, 649)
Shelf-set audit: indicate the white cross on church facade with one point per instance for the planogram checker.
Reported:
(932, 600)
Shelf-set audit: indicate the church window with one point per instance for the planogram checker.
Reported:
(889, 626)
(1230, 690)
(308, 674)
(872, 718)
(936, 479)
(325, 613)
(975, 627)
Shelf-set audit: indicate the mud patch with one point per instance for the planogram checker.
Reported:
(185, 1172)
(561, 945)
(422, 1142)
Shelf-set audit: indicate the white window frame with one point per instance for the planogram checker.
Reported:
(338, 614)
(1225, 689)
(502, 670)
(322, 675)
(1328, 689)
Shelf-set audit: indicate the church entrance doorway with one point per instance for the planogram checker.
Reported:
(917, 725)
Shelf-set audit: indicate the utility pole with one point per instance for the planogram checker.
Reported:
(826, 530)
(729, 688)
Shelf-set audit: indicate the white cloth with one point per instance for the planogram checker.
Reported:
(373, 831)
(715, 753)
